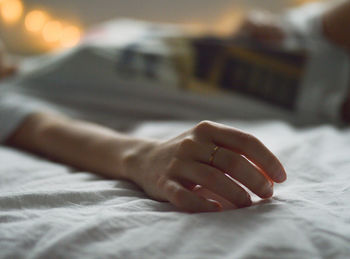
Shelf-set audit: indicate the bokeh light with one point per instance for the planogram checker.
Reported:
(35, 20)
(70, 36)
(302, 2)
(52, 31)
(11, 10)
(229, 22)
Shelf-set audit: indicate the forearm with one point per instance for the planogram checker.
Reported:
(80, 144)
(171, 170)
(337, 24)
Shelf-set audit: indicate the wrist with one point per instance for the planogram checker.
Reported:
(133, 158)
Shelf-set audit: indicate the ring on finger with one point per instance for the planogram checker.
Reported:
(212, 155)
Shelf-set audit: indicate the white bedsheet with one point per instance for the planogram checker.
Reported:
(48, 210)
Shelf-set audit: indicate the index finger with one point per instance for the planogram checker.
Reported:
(247, 145)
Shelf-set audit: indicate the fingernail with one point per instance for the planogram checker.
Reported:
(268, 191)
(281, 176)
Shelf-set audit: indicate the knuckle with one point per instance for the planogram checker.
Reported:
(187, 142)
(247, 137)
(173, 167)
(248, 140)
(186, 145)
(203, 127)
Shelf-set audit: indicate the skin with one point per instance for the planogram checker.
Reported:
(263, 27)
(176, 170)
(166, 170)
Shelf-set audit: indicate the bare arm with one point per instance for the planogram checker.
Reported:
(165, 170)
(81, 144)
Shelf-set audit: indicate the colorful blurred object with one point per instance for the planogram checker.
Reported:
(45, 33)
(52, 31)
(36, 26)
(11, 10)
(301, 2)
(35, 20)
(230, 21)
(70, 36)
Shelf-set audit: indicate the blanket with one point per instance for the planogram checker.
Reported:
(50, 210)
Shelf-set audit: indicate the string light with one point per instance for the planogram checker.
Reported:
(52, 31)
(35, 20)
(11, 10)
(70, 36)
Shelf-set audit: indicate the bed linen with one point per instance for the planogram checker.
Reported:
(49, 210)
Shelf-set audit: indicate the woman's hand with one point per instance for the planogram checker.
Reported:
(169, 170)
(208, 155)
(263, 27)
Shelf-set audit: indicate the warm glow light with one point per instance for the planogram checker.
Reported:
(301, 2)
(70, 36)
(11, 10)
(230, 22)
(52, 31)
(35, 20)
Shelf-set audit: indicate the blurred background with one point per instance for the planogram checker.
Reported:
(30, 27)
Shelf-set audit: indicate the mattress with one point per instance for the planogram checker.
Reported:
(50, 210)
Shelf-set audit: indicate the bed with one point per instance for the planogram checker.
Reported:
(50, 210)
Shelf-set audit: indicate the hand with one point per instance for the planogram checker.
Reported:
(264, 27)
(171, 170)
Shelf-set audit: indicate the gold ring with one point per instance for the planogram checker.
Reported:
(212, 156)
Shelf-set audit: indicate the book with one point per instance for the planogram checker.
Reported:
(242, 66)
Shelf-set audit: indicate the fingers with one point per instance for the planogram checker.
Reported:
(245, 144)
(264, 27)
(205, 193)
(268, 33)
(187, 200)
(243, 171)
(214, 180)
(240, 156)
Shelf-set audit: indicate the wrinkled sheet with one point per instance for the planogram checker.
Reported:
(49, 210)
